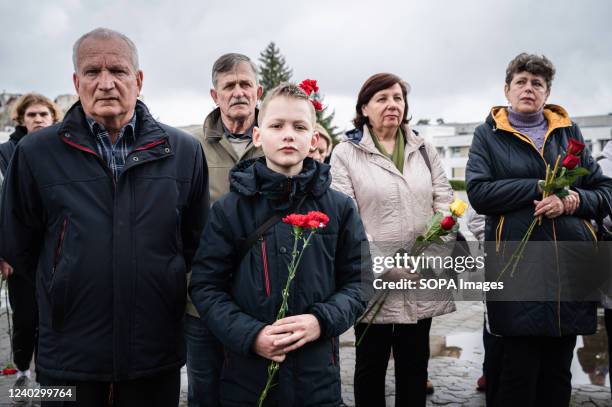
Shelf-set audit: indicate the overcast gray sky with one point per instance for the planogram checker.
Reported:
(453, 53)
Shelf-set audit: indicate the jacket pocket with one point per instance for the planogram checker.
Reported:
(58, 248)
(266, 274)
(59, 280)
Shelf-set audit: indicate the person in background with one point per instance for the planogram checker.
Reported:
(606, 167)
(508, 157)
(324, 145)
(398, 182)
(227, 139)
(31, 112)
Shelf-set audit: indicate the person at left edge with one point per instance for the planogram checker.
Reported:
(31, 112)
(107, 207)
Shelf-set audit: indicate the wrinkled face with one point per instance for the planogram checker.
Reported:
(106, 82)
(236, 92)
(37, 117)
(527, 93)
(286, 134)
(320, 152)
(386, 108)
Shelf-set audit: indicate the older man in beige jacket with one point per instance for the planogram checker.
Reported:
(226, 139)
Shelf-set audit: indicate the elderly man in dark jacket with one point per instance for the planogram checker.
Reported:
(107, 208)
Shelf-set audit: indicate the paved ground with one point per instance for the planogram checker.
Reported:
(456, 364)
(454, 368)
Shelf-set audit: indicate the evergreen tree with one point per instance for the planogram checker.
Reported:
(326, 120)
(273, 68)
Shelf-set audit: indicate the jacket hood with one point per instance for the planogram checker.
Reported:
(252, 177)
(555, 115)
(213, 126)
(607, 151)
(363, 138)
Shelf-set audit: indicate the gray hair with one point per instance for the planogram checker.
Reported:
(228, 62)
(534, 64)
(105, 33)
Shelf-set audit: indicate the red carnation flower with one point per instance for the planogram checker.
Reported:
(9, 371)
(574, 147)
(320, 218)
(306, 89)
(311, 83)
(296, 219)
(447, 223)
(570, 161)
(309, 86)
(312, 224)
(317, 105)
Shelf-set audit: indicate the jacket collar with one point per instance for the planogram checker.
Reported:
(213, 125)
(19, 133)
(556, 116)
(363, 139)
(253, 177)
(75, 128)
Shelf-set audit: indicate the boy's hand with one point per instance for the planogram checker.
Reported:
(302, 328)
(264, 344)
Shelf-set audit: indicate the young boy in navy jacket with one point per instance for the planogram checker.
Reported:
(238, 296)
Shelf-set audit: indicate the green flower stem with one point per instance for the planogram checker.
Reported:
(296, 257)
(518, 254)
(380, 303)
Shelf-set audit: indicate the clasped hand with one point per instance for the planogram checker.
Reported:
(285, 335)
(553, 206)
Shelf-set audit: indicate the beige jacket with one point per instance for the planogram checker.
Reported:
(220, 157)
(395, 208)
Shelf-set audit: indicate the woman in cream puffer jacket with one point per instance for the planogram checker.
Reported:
(396, 195)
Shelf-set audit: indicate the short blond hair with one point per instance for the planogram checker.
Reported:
(288, 90)
(324, 134)
(24, 102)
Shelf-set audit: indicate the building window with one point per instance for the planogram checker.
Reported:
(459, 151)
(458, 173)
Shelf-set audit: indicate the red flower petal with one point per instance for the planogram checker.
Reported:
(320, 217)
(295, 219)
(570, 161)
(447, 223)
(574, 147)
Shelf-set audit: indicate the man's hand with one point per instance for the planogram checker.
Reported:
(264, 344)
(5, 269)
(551, 207)
(301, 328)
(571, 202)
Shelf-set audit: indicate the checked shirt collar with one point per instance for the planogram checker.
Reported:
(114, 155)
